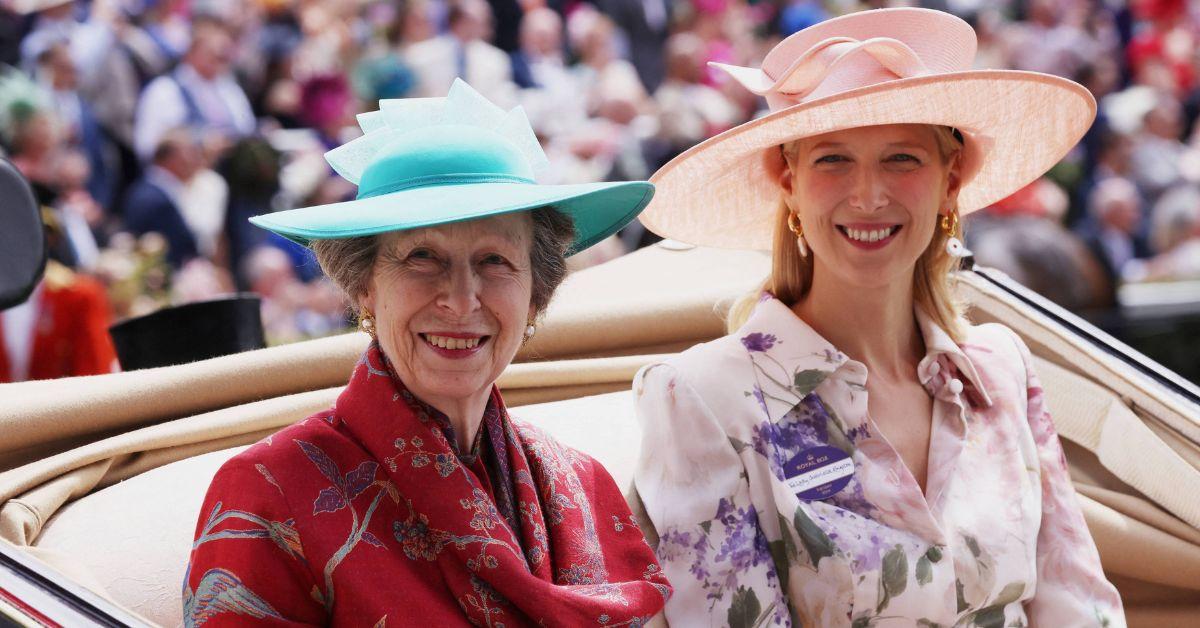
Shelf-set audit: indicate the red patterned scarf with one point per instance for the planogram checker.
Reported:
(577, 557)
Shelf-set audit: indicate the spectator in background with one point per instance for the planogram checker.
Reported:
(201, 93)
(584, 89)
(32, 134)
(153, 202)
(464, 52)
(549, 90)
(1166, 43)
(600, 72)
(80, 216)
(108, 78)
(1175, 233)
(270, 275)
(419, 22)
(538, 61)
(646, 25)
(1113, 230)
(162, 37)
(1045, 257)
(328, 43)
(1048, 43)
(58, 76)
(203, 204)
(1114, 158)
(383, 73)
(1157, 149)
(689, 110)
(61, 330)
(55, 21)
(327, 106)
(252, 169)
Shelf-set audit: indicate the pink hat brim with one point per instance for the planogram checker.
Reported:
(722, 192)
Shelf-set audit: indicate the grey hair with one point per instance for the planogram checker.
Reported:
(348, 262)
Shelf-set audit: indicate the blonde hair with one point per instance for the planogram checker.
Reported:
(791, 274)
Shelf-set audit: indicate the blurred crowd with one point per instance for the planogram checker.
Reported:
(152, 129)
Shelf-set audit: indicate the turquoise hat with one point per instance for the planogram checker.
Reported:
(431, 161)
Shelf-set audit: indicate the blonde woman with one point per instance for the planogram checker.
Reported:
(855, 453)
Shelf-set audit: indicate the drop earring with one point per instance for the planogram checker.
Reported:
(367, 323)
(954, 246)
(794, 225)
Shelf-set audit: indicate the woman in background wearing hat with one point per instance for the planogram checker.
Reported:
(416, 500)
(856, 453)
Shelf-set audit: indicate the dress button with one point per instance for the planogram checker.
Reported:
(955, 386)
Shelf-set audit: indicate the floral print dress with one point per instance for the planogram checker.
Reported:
(732, 427)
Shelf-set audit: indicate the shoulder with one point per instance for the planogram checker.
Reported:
(162, 87)
(286, 453)
(702, 363)
(993, 345)
(143, 193)
(1002, 361)
(708, 375)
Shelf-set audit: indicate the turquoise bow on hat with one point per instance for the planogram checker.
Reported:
(431, 161)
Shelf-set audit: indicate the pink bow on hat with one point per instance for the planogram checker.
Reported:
(803, 68)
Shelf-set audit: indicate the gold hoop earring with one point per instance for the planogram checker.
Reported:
(367, 324)
(950, 224)
(794, 224)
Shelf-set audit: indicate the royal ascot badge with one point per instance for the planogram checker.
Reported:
(818, 472)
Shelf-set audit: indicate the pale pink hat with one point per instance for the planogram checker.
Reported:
(886, 66)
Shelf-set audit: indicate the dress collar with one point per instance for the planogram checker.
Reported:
(941, 349)
(790, 359)
(774, 331)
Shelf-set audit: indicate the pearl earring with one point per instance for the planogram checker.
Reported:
(367, 324)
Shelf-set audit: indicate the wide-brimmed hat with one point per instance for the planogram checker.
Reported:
(431, 161)
(885, 66)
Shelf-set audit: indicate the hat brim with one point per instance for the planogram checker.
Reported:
(598, 209)
(722, 193)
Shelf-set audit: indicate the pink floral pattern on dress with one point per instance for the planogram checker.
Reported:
(996, 539)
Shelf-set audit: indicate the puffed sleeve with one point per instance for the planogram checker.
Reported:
(247, 565)
(694, 488)
(1071, 587)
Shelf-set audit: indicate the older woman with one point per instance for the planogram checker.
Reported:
(855, 453)
(416, 500)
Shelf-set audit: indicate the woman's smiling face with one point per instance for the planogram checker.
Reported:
(451, 304)
(869, 199)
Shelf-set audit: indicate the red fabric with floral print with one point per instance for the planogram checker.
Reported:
(365, 515)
